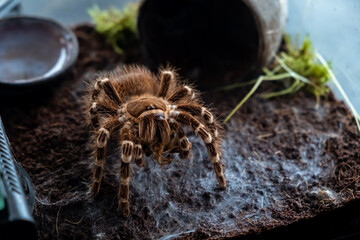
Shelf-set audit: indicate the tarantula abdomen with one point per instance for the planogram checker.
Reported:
(145, 115)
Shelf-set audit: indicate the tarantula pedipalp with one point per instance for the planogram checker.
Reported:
(144, 115)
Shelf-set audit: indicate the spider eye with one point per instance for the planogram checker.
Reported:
(150, 107)
(160, 117)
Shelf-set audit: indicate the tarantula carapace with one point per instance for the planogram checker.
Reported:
(144, 114)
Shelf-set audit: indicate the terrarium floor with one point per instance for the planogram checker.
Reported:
(285, 161)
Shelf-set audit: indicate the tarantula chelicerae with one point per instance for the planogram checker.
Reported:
(144, 114)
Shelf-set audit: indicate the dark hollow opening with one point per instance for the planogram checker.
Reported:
(211, 41)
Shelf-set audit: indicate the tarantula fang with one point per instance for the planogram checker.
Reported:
(144, 114)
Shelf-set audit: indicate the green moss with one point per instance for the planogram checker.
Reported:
(301, 60)
(297, 69)
(118, 26)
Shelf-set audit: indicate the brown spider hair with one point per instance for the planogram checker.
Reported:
(144, 113)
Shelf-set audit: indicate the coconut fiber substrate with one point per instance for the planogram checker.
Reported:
(291, 168)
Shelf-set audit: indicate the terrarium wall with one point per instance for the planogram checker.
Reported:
(334, 29)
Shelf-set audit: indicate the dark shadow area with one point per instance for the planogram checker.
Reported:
(18, 230)
(342, 223)
(207, 40)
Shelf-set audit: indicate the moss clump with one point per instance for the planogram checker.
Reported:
(118, 26)
(297, 68)
(302, 61)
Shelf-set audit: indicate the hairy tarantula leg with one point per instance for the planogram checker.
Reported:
(204, 113)
(158, 151)
(211, 143)
(184, 143)
(138, 155)
(165, 80)
(124, 190)
(106, 85)
(102, 84)
(181, 93)
(97, 109)
(102, 137)
(127, 151)
(93, 115)
(138, 151)
(147, 127)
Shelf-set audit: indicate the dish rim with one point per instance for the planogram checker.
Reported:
(72, 52)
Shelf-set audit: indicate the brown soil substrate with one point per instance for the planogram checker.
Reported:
(285, 161)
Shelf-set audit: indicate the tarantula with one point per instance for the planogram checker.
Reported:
(144, 115)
